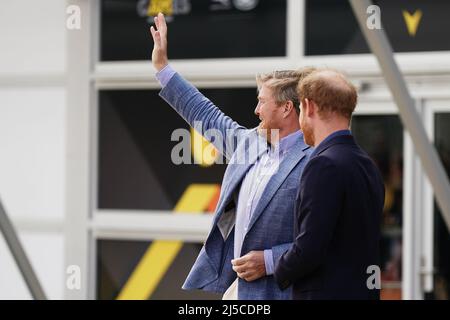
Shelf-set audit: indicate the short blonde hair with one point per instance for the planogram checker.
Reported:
(284, 84)
(331, 91)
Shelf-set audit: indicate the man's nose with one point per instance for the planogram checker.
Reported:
(257, 110)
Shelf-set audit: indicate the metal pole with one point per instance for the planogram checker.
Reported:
(431, 163)
(19, 256)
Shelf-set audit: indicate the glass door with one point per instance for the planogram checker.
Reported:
(437, 243)
(441, 238)
(381, 136)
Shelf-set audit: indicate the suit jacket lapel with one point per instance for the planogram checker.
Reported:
(294, 155)
(245, 157)
(237, 169)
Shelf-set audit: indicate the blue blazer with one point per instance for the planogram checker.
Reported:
(337, 225)
(271, 225)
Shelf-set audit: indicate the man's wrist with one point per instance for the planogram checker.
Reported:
(165, 74)
(161, 66)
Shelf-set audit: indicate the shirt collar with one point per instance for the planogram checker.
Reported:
(287, 142)
(336, 134)
(331, 136)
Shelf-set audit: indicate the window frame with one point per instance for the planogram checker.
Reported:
(85, 223)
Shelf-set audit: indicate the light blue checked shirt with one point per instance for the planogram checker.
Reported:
(252, 189)
(254, 182)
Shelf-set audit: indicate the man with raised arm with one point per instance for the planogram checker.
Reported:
(253, 221)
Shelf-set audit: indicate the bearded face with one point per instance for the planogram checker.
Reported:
(305, 126)
(269, 113)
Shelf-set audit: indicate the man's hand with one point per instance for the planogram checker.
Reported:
(251, 266)
(159, 54)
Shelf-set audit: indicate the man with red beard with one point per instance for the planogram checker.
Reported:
(253, 222)
(340, 203)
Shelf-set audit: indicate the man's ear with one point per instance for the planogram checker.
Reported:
(309, 107)
(288, 107)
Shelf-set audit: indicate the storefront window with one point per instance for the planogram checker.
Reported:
(382, 137)
(197, 28)
(441, 232)
(413, 25)
(146, 270)
(136, 171)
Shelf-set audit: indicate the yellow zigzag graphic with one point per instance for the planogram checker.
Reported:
(412, 21)
(204, 152)
(160, 254)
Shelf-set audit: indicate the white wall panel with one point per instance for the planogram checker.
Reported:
(32, 36)
(45, 252)
(32, 152)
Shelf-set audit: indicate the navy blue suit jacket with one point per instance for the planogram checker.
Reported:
(337, 231)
